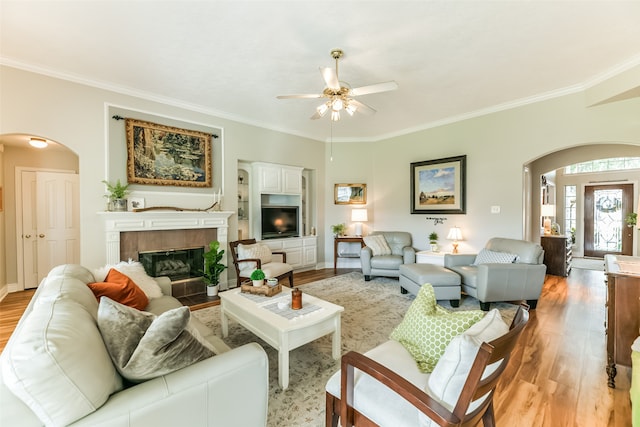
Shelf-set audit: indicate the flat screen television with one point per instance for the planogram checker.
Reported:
(279, 222)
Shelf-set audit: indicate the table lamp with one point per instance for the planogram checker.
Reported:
(547, 211)
(359, 216)
(455, 234)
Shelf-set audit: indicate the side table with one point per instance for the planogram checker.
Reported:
(346, 239)
(428, 257)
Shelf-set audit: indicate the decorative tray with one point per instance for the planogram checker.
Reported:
(265, 290)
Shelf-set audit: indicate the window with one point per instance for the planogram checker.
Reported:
(603, 165)
(570, 211)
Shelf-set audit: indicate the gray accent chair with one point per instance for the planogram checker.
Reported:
(388, 265)
(520, 280)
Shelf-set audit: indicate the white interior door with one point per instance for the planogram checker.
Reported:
(29, 229)
(50, 223)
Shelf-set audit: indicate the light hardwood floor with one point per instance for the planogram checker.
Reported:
(557, 374)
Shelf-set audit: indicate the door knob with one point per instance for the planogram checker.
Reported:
(41, 235)
(28, 236)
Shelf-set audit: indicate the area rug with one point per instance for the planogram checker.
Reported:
(371, 311)
(588, 264)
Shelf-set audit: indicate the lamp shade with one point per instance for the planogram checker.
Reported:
(359, 215)
(454, 233)
(548, 210)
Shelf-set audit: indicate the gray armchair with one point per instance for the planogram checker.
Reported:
(388, 265)
(503, 280)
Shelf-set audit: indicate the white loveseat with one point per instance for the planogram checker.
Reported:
(59, 359)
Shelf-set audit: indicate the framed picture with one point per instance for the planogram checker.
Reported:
(164, 155)
(439, 186)
(135, 203)
(350, 194)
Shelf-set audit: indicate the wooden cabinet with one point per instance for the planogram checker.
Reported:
(622, 322)
(279, 179)
(557, 254)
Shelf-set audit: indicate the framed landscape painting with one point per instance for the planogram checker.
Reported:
(165, 155)
(350, 194)
(439, 186)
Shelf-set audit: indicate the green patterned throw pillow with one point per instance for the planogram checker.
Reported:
(427, 328)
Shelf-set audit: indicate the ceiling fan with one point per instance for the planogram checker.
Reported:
(340, 96)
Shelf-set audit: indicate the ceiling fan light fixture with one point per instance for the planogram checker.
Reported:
(350, 108)
(337, 104)
(38, 142)
(322, 109)
(335, 116)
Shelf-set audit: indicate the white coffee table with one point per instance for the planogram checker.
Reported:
(261, 316)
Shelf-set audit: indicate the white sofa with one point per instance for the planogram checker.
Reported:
(69, 366)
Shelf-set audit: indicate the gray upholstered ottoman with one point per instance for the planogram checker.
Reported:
(446, 283)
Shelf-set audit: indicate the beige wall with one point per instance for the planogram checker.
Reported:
(498, 147)
(3, 251)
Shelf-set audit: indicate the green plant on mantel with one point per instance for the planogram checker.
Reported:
(117, 190)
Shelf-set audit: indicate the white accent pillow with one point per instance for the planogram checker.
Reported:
(135, 271)
(492, 257)
(255, 250)
(448, 377)
(378, 244)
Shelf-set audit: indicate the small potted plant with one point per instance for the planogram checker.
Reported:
(213, 268)
(338, 229)
(631, 219)
(258, 277)
(433, 241)
(117, 195)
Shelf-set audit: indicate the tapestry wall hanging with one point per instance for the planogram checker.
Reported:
(439, 186)
(165, 155)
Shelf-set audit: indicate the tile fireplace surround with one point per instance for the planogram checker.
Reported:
(127, 233)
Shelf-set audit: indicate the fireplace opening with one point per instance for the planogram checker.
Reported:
(177, 264)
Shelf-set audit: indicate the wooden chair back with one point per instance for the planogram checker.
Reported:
(498, 350)
(236, 263)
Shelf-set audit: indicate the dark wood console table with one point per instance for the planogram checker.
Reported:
(346, 239)
(622, 321)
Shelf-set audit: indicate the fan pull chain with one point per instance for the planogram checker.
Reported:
(331, 139)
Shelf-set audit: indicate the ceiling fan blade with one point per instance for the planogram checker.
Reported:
(309, 95)
(379, 87)
(363, 108)
(330, 78)
(315, 116)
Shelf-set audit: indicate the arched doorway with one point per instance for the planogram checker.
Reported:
(20, 160)
(555, 161)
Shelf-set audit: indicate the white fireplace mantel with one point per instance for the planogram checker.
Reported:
(118, 222)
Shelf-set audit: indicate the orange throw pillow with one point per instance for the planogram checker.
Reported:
(120, 288)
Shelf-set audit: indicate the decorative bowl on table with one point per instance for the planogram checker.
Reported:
(272, 282)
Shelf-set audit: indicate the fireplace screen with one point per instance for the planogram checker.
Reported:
(177, 264)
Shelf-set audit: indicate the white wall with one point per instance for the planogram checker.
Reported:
(497, 145)
(77, 117)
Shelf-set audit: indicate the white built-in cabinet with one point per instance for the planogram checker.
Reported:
(301, 252)
(278, 179)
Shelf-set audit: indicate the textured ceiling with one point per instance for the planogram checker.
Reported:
(451, 59)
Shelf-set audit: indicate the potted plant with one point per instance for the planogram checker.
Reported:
(258, 277)
(117, 195)
(433, 241)
(631, 219)
(213, 268)
(338, 229)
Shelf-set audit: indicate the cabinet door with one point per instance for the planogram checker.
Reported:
(269, 179)
(292, 180)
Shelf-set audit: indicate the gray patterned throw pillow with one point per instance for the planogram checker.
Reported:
(492, 257)
(145, 346)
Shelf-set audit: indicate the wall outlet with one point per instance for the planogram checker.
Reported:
(495, 209)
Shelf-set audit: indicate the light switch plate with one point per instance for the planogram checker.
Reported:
(495, 209)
